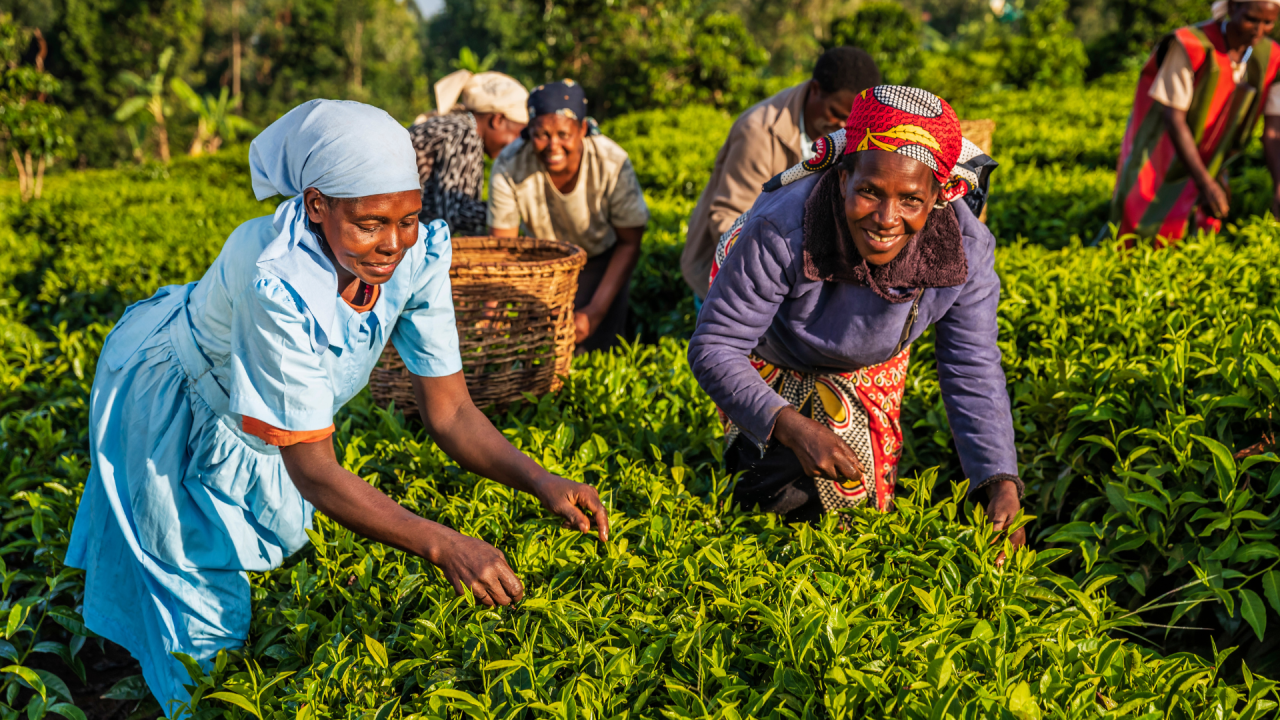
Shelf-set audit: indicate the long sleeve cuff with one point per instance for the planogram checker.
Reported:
(1000, 477)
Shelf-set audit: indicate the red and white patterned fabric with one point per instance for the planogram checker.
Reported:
(905, 120)
(908, 121)
(862, 408)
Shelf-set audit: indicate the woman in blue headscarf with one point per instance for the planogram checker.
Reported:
(213, 404)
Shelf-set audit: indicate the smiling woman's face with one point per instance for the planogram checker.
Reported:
(367, 236)
(558, 142)
(887, 199)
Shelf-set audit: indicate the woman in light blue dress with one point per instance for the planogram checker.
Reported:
(212, 408)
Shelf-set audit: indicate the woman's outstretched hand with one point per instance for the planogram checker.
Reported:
(355, 504)
(1002, 507)
(821, 452)
(479, 567)
(571, 500)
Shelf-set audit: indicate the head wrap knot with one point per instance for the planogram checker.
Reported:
(486, 92)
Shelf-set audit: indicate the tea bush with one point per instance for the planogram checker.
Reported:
(692, 609)
(1136, 378)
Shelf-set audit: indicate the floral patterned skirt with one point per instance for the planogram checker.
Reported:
(862, 408)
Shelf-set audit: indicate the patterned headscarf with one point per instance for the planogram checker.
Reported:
(904, 120)
(908, 121)
(565, 98)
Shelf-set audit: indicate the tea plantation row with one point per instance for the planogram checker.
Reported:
(1135, 377)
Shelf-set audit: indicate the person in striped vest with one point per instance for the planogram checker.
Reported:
(1199, 98)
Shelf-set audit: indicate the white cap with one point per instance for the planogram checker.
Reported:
(486, 92)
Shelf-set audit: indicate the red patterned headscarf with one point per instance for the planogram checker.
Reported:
(909, 121)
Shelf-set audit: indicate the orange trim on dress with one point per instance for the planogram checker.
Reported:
(272, 435)
(373, 298)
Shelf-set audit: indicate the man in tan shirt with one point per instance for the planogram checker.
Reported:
(768, 138)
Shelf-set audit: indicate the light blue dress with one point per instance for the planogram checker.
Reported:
(181, 502)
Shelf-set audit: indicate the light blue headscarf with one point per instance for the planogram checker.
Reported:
(343, 149)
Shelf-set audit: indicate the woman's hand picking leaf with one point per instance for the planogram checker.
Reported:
(821, 453)
(479, 567)
(1002, 508)
(569, 500)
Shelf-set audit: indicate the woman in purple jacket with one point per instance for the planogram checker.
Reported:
(806, 333)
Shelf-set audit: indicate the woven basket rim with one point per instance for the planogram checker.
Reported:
(573, 255)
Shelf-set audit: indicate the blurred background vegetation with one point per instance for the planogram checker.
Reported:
(96, 83)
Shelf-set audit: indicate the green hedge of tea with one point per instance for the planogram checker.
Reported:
(1135, 378)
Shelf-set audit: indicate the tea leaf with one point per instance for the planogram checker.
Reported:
(1271, 588)
(1253, 611)
(377, 651)
(30, 677)
(237, 700)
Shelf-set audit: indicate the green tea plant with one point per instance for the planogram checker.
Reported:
(1136, 379)
(692, 609)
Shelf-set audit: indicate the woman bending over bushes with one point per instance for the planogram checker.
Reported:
(212, 409)
(820, 290)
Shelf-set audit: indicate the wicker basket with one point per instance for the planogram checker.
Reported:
(980, 133)
(513, 300)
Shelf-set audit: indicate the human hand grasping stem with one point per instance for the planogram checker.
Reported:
(1002, 508)
(569, 500)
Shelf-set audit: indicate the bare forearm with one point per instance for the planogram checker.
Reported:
(360, 507)
(1175, 122)
(467, 436)
(477, 446)
(625, 256)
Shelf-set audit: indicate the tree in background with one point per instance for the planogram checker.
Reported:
(891, 33)
(31, 127)
(151, 98)
(1134, 28)
(275, 53)
(215, 122)
(793, 33)
(98, 39)
(297, 50)
(1044, 50)
(1032, 42)
(627, 54)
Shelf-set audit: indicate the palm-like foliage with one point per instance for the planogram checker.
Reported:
(468, 60)
(150, 98)
(215, 123)
(31, 128)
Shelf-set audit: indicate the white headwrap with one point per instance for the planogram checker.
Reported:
(1220, 7)
(343, 149)
(486, 92)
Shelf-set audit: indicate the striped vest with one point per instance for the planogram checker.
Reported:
(1154, 194)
